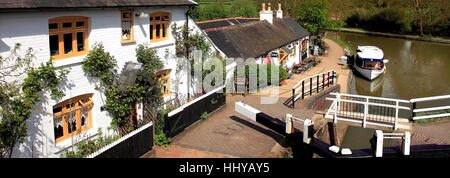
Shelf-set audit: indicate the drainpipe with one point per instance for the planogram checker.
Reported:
(187, 54)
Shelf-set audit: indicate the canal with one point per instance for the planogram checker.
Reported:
(415, 69)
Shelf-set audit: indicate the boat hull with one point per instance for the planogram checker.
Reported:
(370, 74)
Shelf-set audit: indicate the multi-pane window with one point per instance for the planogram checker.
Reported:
(72, 117)
(164, 78)
(159, 26)
(127, 26)
(68, 36)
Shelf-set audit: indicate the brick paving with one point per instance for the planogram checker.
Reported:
(431, 133)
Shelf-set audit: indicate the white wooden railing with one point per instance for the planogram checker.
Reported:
(315, 82)
(366, 109)
(423, 110)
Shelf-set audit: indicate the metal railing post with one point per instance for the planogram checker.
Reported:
(366, 110)
(333, 77)
(310, 87)
(396, 115)
(323, 81)
(336, 108)
(318, 82)
(328, 79)
(414, 106)
(303, 89)
(293, 97)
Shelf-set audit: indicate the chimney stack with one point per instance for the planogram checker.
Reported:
(266, 14)
(279, 12)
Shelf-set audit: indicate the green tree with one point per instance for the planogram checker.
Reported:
(313, 16)
(213, 11)
(18, 96)
(244, 8)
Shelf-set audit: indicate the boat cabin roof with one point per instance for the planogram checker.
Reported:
(370, 52)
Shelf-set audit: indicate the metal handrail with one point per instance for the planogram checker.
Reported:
(319, 81)
(433, 98)
(365, 114)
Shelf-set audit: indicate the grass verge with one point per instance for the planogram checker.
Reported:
(341, 43)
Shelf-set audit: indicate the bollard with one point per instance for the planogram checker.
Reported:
(379, 143)
(406, 143)
(289, 125)
(307, 134)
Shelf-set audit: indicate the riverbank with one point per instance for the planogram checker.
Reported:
(391, 35)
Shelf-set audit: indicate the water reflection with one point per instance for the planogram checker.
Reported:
(415, 69)
(366, 87)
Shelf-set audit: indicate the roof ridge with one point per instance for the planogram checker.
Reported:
(222, 19)
(232, 26)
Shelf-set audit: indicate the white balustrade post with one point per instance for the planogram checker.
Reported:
(379, 143)
(306, 137)
(289, 125)
(366, 111)
(336, 106)
(396, 115)
(406, 143)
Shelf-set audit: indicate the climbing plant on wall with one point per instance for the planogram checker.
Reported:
(120, 98)
(18, 96)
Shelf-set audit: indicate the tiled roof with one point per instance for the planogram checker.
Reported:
(254, 39)
(52, 4)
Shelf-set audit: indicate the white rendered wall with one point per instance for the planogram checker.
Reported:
(30, 29)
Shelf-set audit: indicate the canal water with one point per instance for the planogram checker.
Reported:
(415, 69)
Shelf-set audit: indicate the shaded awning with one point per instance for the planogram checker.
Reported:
(287, 50)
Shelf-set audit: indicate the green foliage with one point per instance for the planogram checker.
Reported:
(120, 98)
(225, 9)
(101, 64)
(244, 8)
(213, 101)
(425, 121)
(204, 115)
(342, 44)
(313, 16)
(160, 123)
(382, 20)
(87, 147)
(282, 73)
(420, 17)
(18, 98)
(162, 140)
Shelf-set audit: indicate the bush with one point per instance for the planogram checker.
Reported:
(87, 147)
(162, 140)
(204, 115)
(282, 73)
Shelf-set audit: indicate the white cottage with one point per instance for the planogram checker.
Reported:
(65, 30)
(271, 38)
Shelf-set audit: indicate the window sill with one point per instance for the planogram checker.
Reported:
(128, 41)
(67, 61)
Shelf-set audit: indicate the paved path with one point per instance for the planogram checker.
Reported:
(431, 133)
(228, 134)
